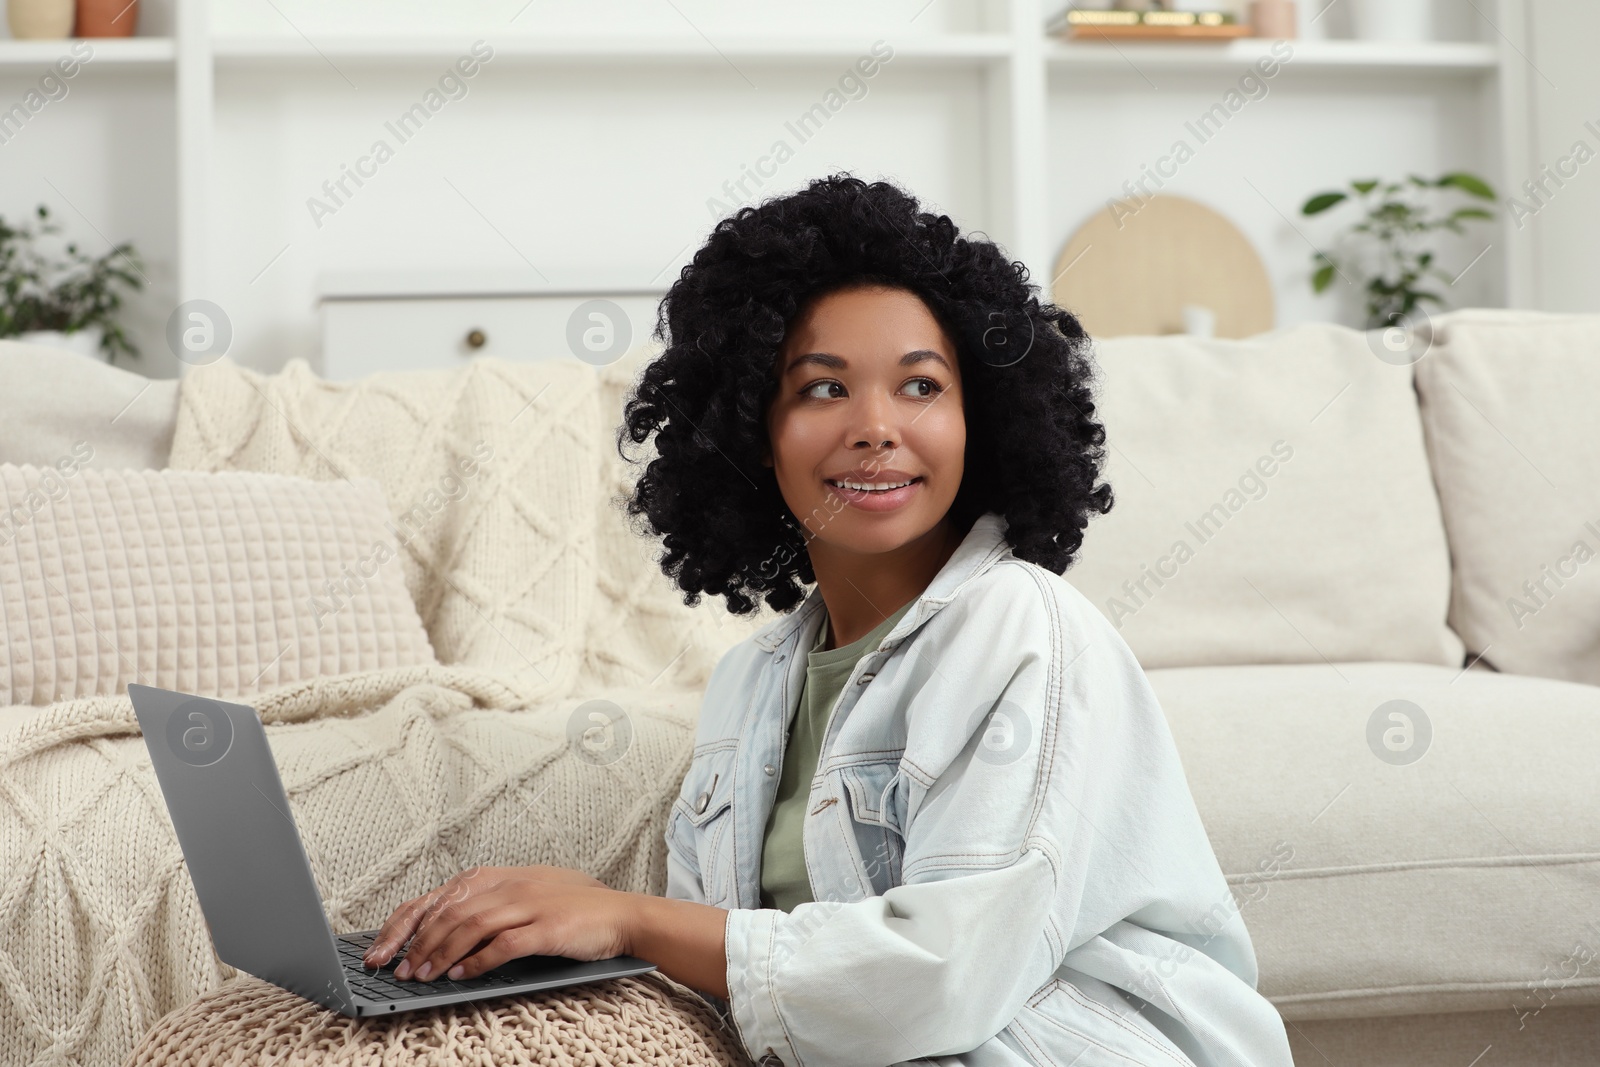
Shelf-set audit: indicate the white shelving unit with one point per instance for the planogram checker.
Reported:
(1437, 56)
(123, 52)
(1020, 73)
(947, 48)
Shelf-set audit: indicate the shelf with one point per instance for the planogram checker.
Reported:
(107, 51)
(961, 48)
(1442, 57)
(957, 49)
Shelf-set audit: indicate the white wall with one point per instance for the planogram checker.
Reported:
(1562, 219)
(550, 173)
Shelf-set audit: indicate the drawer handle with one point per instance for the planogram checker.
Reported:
(476, 339)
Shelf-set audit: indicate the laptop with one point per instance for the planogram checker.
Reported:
(254, 882)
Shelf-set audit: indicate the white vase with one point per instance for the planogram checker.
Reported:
(85, 342)
(40, 19)
(1393, 20)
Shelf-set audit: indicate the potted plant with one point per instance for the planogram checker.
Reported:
(69, 300)
(1391, 239)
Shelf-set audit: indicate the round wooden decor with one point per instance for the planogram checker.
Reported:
(1132, 269)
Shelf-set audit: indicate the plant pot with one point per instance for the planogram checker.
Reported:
(1393, 20)
(85, 342)
(39, 19)
(107, 18)
(1274, 18)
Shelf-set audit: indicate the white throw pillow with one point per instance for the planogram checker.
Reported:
(1273, 504)
(1509, 400)
(223, 584)
(53, 402)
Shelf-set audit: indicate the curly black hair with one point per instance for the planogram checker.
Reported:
(1026, 377)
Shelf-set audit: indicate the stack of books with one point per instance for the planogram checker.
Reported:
(1079, 25)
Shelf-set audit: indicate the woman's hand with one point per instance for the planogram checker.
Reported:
(487, 915)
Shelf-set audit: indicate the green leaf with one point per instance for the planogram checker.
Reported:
(1322, 202)
(1468, 183)
(1471, 213)
(1364, 187)
(1322, 279)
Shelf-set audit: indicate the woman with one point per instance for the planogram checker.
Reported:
(934, 809)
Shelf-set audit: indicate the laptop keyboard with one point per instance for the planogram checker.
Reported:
(380, 984)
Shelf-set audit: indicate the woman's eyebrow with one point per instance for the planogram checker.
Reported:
(833, 362)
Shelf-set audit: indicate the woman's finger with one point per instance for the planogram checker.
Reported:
(469, 932)
(509, 944)
(462, 897)
(400, 925)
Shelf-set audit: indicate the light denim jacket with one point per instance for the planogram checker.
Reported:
(1008, 864)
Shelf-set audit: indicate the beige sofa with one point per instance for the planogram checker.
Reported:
(1363, 587)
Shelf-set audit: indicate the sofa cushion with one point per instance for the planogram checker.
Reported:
(53, 401)
(1508, 403)
(218, 583)
(1273, 504)
(1447, 860)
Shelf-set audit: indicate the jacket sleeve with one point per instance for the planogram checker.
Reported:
(1043, 804)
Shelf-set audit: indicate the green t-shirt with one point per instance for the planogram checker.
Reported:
(784, 882)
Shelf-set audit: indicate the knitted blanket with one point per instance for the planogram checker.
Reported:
(537, 599)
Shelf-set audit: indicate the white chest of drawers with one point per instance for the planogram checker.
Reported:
(415, 322)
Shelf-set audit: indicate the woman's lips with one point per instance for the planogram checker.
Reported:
(877, 499)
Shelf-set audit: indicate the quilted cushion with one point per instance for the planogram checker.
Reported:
(648, 1021)
(219, 583)
(1508, 402)
(1273, 504)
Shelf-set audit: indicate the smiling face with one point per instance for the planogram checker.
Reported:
(869, 394)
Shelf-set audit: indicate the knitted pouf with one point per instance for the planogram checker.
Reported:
(642, 1021)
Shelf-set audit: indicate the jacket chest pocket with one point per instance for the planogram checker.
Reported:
(703, 814)
(876, 812)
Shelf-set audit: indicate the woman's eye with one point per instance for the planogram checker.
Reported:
(934, 388)
(807, 391)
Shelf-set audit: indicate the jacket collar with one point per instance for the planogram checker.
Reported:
(983, 546)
